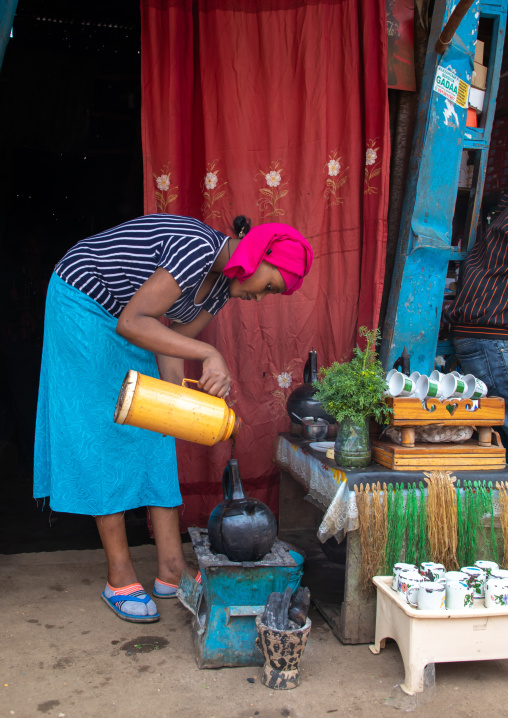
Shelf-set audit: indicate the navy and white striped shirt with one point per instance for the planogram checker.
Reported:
(111, 266)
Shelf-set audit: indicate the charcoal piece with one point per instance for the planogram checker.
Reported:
(275, 615)
(299, 606)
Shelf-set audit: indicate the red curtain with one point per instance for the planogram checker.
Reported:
(276, 109)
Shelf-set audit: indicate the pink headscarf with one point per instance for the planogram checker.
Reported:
(278, 244)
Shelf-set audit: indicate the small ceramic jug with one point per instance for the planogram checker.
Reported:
(432, 571)
(487, 566)
(428, 596)
(398, 567)
(496, 593)
(408, 579)
(476, 579)
(458, 595)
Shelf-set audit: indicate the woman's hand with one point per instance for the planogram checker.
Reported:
(215, 379)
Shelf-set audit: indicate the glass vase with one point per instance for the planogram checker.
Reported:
(352, 446)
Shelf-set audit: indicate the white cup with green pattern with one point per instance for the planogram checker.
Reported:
(401, 385)
(453, 386)
(476, 388)
(496, 593)
(476, 579)
(427, 388)
(459, 595)
(487, 566)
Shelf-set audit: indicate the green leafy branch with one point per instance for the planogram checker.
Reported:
(356, 389)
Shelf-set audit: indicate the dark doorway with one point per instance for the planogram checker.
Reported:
(70, 166)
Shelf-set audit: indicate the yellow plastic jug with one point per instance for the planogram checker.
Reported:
(174, 410)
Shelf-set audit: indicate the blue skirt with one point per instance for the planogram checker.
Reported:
(83, 461)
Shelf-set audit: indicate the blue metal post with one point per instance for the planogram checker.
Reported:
(424, 247)
(7, 12)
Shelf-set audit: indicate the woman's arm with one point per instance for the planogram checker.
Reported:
(139, 324)
(171, 368)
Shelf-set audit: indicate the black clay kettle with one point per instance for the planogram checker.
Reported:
(301, 402)
(241, 528)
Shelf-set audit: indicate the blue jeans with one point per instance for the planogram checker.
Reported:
(487, 359)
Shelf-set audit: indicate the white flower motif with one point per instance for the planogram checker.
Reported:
(370, 156)
(211, 180)
(284, 380)
(333, 168)
(163, 183)
(273, 179)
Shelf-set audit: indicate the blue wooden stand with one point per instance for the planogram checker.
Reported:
(230, 597)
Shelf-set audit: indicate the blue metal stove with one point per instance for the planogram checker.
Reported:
(231, 595)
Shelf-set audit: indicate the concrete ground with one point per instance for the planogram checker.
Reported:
(65, 654)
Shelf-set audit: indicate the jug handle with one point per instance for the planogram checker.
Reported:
(232, 487)
(194, 381)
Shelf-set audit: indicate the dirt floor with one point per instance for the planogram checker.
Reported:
(64, 654)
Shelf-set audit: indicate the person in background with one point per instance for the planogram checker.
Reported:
(479, 315)
(103, 306)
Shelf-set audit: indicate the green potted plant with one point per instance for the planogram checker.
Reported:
(354, 392)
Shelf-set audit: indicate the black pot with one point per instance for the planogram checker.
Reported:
(241, 528)
(301, 402)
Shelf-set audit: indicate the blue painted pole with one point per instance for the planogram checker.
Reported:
(7, 12)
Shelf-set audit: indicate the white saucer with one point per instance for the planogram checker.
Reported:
(322, 445)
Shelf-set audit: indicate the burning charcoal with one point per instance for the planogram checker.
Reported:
(275, 615)
(299, 607)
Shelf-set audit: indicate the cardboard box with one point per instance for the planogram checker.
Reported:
(479, 76)
(476, 98)
(478, 53)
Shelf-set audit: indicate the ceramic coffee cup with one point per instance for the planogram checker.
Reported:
(401, 385)
(496, 593)
(426, 387)
(501, 573)
(476, 580)
(459, 595)
(487, 566)
(453, 387)
(428, 596)
(455, 576)
(476, 388)
(436, 375)
(432, 571)
(408, 579)
(398, 567)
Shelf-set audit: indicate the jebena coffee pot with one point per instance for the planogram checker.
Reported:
(240, 527)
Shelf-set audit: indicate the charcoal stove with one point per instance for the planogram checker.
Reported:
(231, 595)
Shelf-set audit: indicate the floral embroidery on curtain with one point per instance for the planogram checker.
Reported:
(271, 195)
(337, 177)
(262, 102)
(162, 194)
(281, 395)
(372, 168)
(212, 191)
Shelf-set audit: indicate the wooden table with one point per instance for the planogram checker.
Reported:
(332, 570)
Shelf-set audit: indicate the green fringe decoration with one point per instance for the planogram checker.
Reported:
(422, 527)
(477, 503)
(493, 542)
(411, 521)
(396, 525)
(460, 527)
